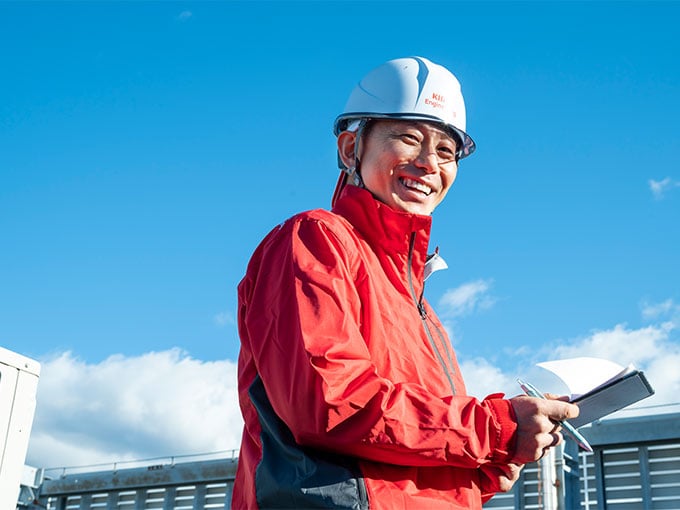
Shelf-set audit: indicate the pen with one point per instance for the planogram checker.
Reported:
(531, 390)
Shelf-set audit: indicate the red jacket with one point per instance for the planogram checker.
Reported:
(349, 388)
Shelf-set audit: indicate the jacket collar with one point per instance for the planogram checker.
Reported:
(388, 231)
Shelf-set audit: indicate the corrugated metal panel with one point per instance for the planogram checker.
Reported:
(641, 477)
(622, 482)
(190, 497)
(504, 501)
(664, 473)
(187, 486)
(587, 482)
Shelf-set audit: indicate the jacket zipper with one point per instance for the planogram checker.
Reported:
(423, 317)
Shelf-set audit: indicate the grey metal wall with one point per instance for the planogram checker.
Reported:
(183, 486)
(636, 463)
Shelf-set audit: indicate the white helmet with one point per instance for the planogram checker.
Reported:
(405, 88)
(409, 88)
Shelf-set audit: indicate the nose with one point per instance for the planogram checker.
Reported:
(427, 160)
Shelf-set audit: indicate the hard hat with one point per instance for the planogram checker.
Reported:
(412, 88)
(409, 88)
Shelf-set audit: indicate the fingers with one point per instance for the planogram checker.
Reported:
(511, 475)
(538, 429)
(559, 410)
(556, 439)
(545, 443)
(551, 439)
(502, 476)
(510, 470)
(556, 410)
(540, 414)
(552, 396)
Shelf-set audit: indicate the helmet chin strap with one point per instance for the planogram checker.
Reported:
(353, 171)
(351, 174)
(355, 176)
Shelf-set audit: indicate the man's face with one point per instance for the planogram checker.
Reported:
(408, 165)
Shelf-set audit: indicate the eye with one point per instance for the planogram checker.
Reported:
(446, 152)
(410, 138)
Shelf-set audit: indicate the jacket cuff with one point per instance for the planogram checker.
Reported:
(506, 431)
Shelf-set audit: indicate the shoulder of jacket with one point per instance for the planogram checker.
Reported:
(329, 220)
(326, 224)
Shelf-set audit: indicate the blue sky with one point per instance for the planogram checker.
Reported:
(147, 147)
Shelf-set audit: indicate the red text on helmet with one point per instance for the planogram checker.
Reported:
(437, 100)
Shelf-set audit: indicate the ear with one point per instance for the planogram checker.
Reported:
(346, 142)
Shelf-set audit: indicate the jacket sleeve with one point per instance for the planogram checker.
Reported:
(300, 314)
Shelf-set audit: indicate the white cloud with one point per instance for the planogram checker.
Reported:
(659, 188)
(184, 15)
(224, 319)
(162, 404)
(664, 309)
(482, 378)
(655, 349)
(466, 299)
(156, 404)
(619, 344)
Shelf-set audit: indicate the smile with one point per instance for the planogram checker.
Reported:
(415, 185)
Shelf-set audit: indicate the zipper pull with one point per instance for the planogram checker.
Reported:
(421, 309)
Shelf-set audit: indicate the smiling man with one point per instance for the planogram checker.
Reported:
(409, 165)
(349, 387)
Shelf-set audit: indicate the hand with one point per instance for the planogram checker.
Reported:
(499, 477)
(537, 427)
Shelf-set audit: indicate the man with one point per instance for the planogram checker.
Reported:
(349, 387)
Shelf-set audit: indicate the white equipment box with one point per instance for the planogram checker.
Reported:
(18, 386)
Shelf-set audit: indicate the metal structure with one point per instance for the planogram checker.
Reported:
(18, 385)
(168, 485)
(635, 466)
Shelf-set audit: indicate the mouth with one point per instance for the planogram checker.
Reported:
(415, 186)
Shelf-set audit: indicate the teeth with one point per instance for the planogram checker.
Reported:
(423, 188)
